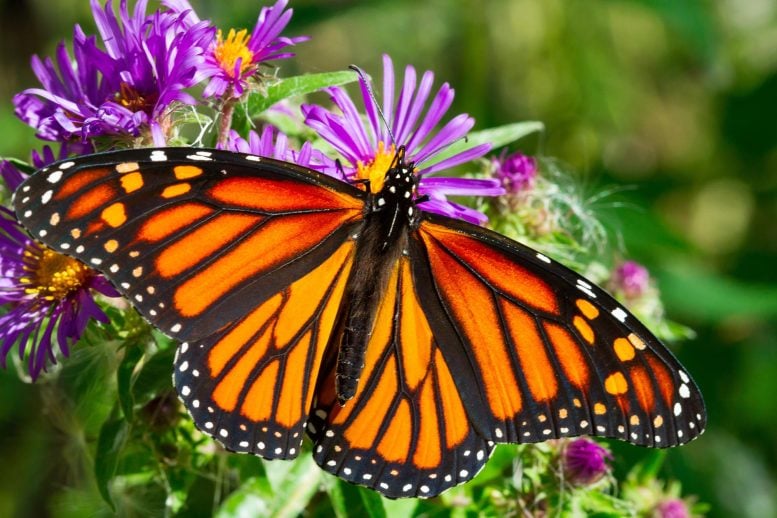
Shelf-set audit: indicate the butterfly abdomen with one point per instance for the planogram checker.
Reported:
(380, 245)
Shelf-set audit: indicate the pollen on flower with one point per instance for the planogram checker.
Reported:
(51, 275)
(235, 47)
(133, 100)
(375, 170)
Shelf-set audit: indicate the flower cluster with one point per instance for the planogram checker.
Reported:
(137, 82)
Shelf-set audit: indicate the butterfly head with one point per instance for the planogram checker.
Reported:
(400, 186)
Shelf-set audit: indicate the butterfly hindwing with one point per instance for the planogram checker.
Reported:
(406, 431)
(553, 355)
(251, 384)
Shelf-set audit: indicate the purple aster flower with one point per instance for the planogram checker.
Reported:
(47, 296)
(12, 176)
(672, 508)
(232, 60)
(368, 150)
(129, 88)
(516, 172)
(274, 144)
(630, 278)
(584, 461)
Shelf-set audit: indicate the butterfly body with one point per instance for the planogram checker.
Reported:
(390, 214)
(403, 343)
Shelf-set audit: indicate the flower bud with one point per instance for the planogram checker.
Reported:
(585, 461)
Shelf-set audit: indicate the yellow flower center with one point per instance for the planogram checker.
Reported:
(134, 101)
(375, 170)
(51, 275)
(234, 47)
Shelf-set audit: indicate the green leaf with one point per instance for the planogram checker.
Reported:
(250, 499)
(286, 88)
(497, 137)
(296, 489)
(350, 500)
(124, 377)
(112, 439)
(154, 376)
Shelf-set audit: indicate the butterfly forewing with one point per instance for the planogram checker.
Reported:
(194, 239)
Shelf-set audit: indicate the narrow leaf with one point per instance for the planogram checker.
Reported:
(497, 137)
(297, 488)
(286, 88)
(124, 376)
(297, 85)
(350, 500)
(113, 437)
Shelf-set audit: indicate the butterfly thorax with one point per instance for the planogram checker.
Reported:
(390, 214)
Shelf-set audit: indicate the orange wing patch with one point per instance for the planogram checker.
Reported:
(171, 221)
(501, 271)
(253, 252)
(82, 179)
(269, 195)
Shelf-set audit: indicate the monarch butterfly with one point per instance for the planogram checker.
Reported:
(405, 343)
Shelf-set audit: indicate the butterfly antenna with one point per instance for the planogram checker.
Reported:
(363, 77)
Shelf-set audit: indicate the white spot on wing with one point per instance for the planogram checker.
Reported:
(54, 177)
(66, 165)
(583, 283)
(46, 196)
(619, 314)
(587, 291)
(158, 156)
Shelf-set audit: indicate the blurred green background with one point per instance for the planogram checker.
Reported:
(676, 99)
